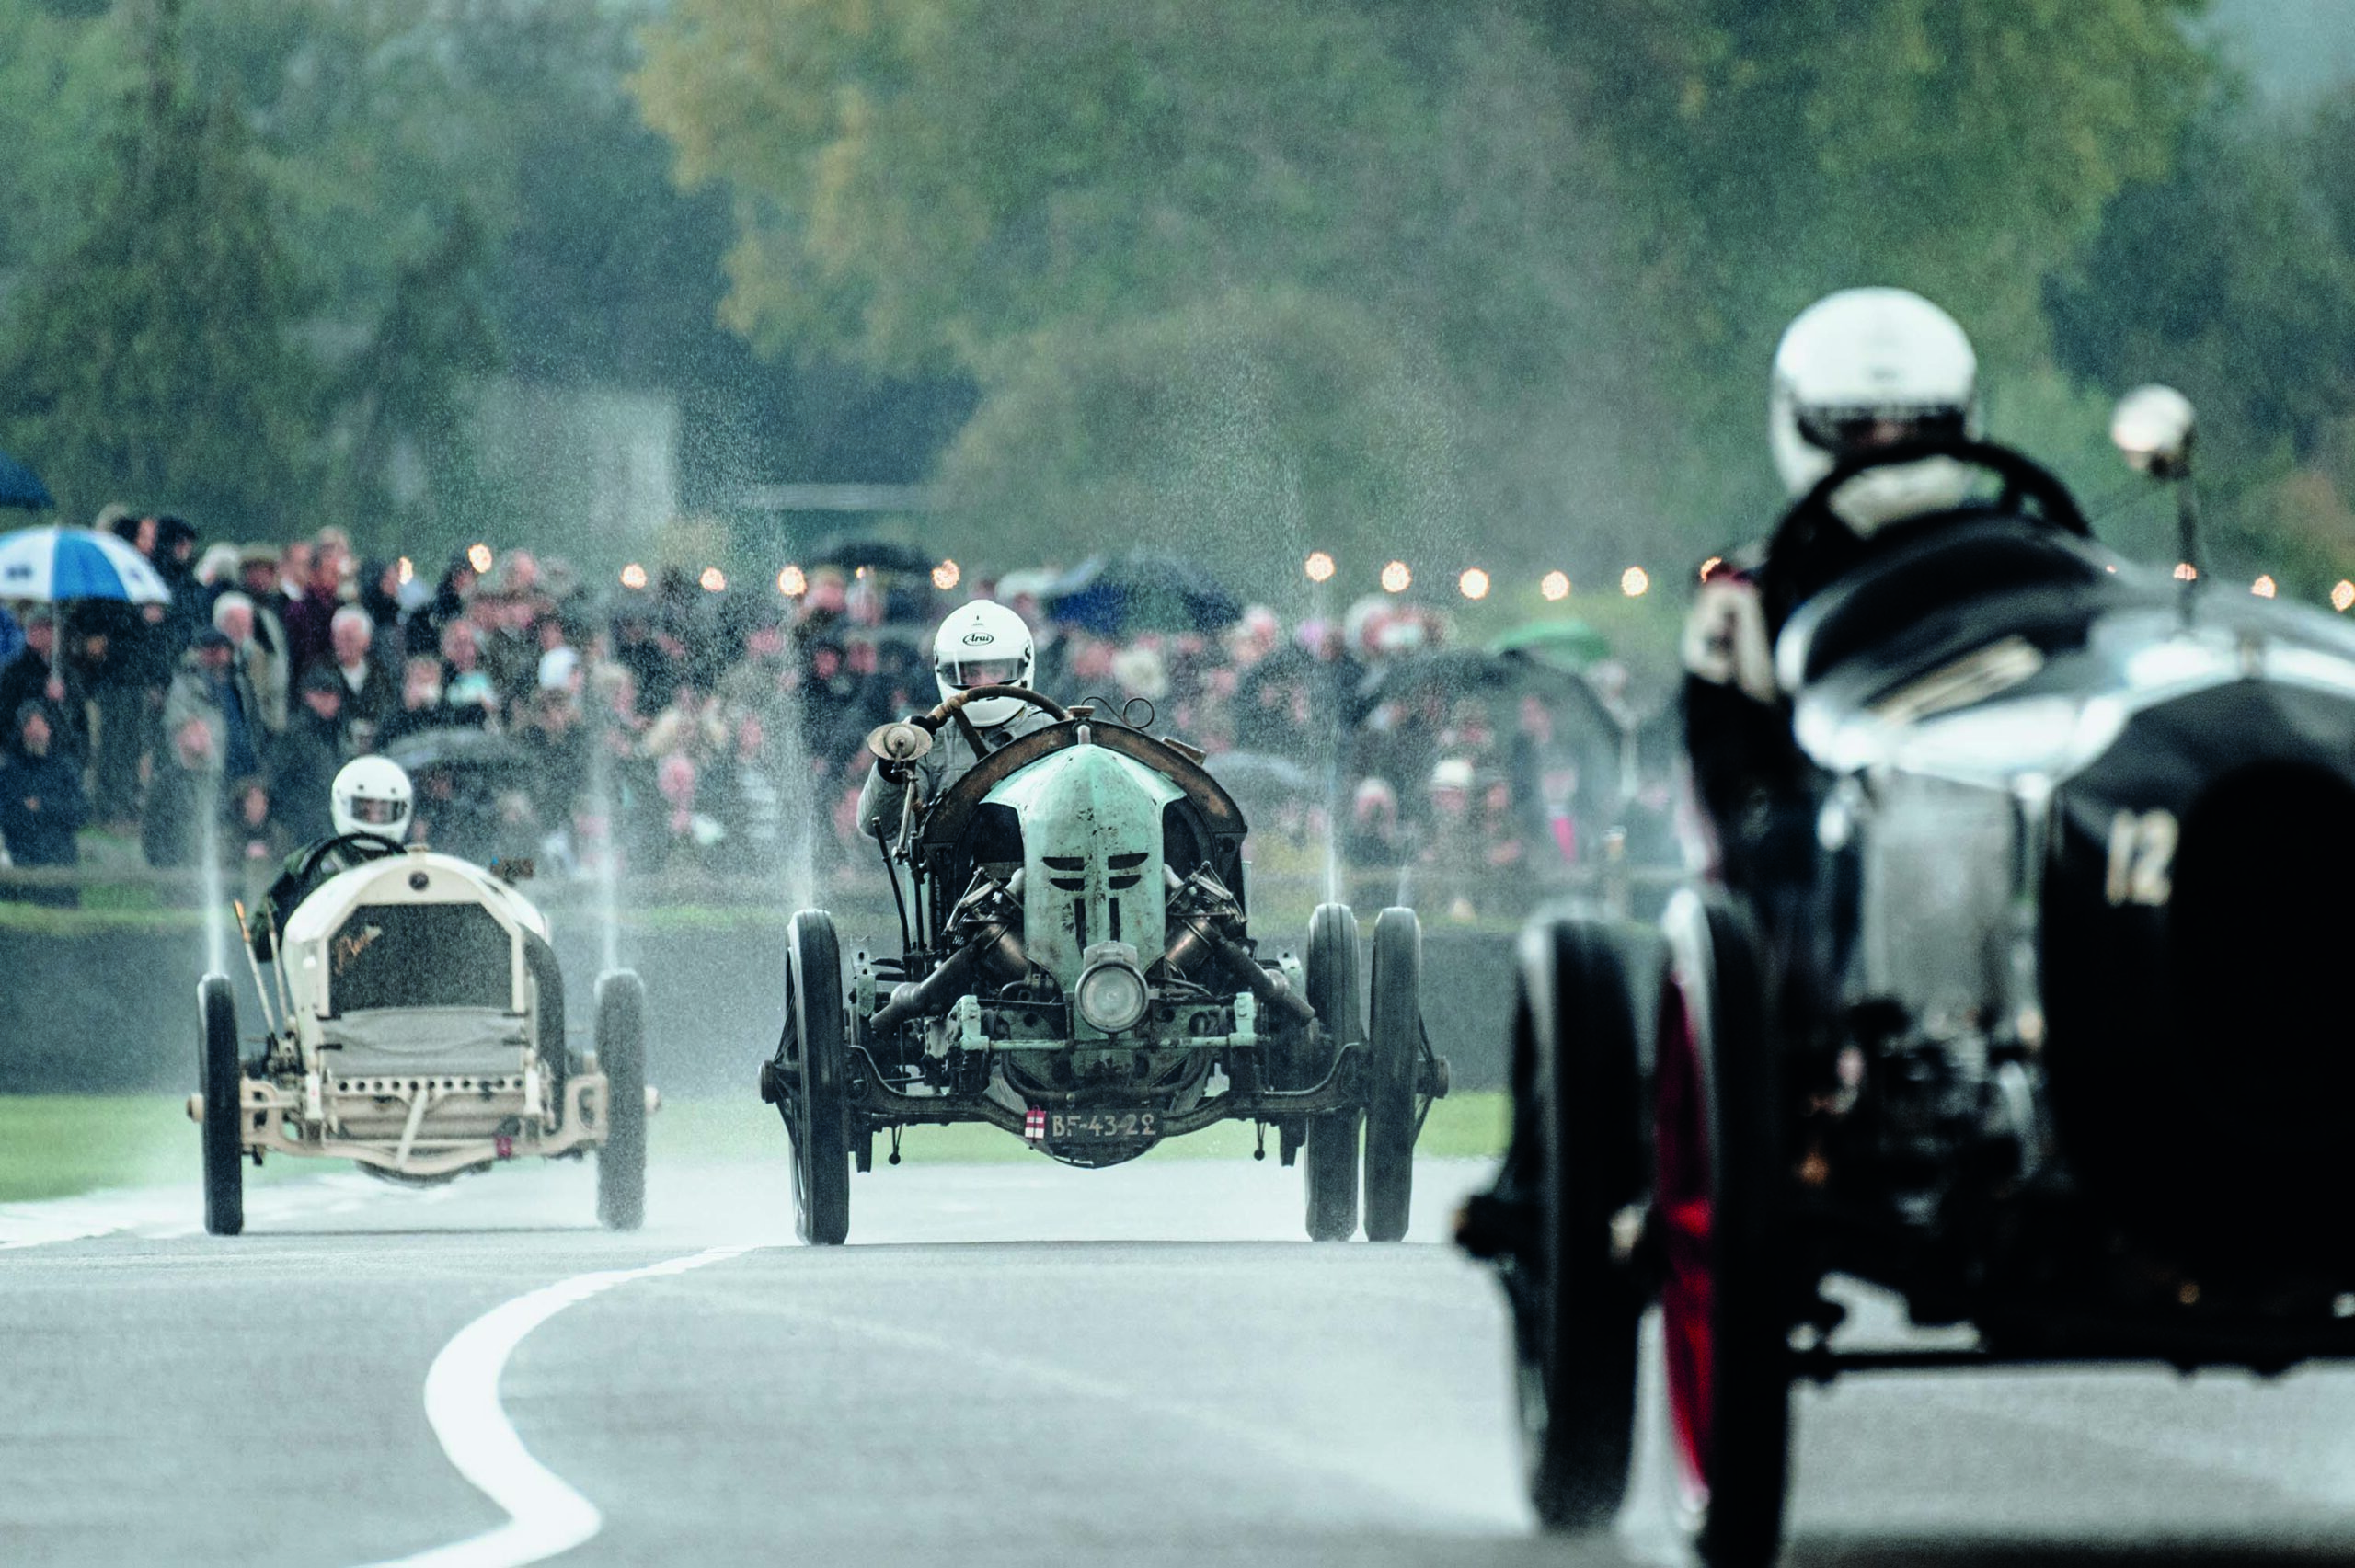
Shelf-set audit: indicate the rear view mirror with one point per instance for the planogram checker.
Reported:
(2152, 426)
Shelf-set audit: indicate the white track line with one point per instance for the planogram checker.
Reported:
(544, 1515)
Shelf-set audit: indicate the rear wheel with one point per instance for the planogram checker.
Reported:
(620, 1056)
(1329, 1157)
(1716, 1203)
(1394, 1045)
(1578, 1160)
(221, 1079)
(813, 1057)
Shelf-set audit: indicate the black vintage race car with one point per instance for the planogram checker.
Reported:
(2041, 1030)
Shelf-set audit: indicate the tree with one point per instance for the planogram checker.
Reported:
(155, 359)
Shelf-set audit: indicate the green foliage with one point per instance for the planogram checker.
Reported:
(156, 358)
(1577, 228)
(63, 86)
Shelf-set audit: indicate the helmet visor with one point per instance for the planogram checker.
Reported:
(378, 813)
(966, 674)
(1845, 432)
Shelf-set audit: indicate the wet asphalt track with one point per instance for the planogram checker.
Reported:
(1016, 1364)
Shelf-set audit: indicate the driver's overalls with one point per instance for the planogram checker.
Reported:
(882, 800)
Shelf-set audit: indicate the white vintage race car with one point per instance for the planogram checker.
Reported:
(416, 1024)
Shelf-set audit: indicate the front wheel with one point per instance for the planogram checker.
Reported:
(221, 1079)
(1575, 1165)
(620, 1056)
(1717, 1203)
(1394, 1050)
(1330, 1158)
(814, 1060)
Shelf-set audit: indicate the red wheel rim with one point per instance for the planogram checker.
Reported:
(1681, 1208)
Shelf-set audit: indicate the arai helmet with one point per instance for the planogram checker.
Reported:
(983, 644)
(371, 794)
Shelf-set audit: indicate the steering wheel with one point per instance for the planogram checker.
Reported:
(941, 715)
(2024, 481)
(371, 846)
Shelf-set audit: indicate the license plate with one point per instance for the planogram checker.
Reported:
(1102, 1127)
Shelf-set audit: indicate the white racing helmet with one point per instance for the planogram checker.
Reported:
(371, 794)
(983, 644)
(1868, 368)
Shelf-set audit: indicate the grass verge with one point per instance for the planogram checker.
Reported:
(57, 1145)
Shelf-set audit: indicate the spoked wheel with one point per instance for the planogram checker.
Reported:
(221, 1079)
(1716, 1205)
(620, 1056)
(1394, 1049)
(1330, 1158)
(812, 1058)
(1577, 1160)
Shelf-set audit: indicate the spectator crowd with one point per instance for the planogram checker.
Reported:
(675, 727)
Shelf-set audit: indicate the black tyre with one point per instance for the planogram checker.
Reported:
(1577, 1161)
(1330, 1158)
(620, 1056)
(221, 1079)
(1717, 1206)
(813, 1059)
(1394, 1049)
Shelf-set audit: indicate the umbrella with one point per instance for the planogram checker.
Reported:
(460, 747)
(58, 564)
(1565, 644)
(1142, 592)
(20, 486)
(1462, 672)
(879, 554)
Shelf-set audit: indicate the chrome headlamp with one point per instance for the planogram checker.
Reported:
(1112, 994)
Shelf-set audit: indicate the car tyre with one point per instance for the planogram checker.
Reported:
(1577, 1164)
(620, 1056)
(1395, 1047)
(1718, 1203)
(221, 1080)
(1329, 1156)
(814, 1067)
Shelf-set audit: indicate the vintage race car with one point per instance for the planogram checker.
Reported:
(2038, 1030)
(416, 1026)
(1078, 971)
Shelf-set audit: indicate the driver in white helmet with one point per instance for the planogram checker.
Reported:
(981, 644)
(370, 804)
(1860, 371)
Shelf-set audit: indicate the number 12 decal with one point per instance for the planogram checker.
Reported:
(2141, 855)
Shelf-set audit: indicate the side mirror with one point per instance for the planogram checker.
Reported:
(2152, 426)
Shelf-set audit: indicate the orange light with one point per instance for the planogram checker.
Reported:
(713, 580)
(2342, 596)
(1635, 582)
(1555, 586)
(1319, 566)
(791, 583)
(479, 557)
(2186, 572)
(1711, 565)
(633, 576)
(2265, 588)
(1397, 578)
(408, 569)
(945, 575)
(1473, 584)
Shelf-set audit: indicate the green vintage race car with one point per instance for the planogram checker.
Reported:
(1077, 970)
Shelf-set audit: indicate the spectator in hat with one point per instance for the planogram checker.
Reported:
(33, 677)
(306, 758)
(209, 688)
(42, 804)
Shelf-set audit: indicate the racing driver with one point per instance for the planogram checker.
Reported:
(368, 804)
(981, 644)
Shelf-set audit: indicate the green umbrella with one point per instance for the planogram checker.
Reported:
(1566, 645)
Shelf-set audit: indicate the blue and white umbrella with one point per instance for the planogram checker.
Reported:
(57, 564)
